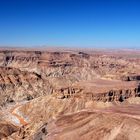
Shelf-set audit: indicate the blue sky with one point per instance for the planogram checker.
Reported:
(85, 23)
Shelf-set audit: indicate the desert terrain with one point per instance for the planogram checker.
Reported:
(69, 94)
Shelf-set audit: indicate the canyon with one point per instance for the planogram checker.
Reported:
(59, 94)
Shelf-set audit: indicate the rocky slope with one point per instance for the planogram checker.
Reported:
(93, 125)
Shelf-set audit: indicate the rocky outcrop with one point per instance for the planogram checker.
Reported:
(131, 78)
(7, 129)
(20, 85)
(118, 95)
(108, 96)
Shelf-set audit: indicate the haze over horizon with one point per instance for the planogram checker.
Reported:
(75, 23)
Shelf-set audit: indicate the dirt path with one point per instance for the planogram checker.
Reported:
(21, 119)
(12, 114)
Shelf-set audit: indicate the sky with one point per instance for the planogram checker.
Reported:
(72, 23)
